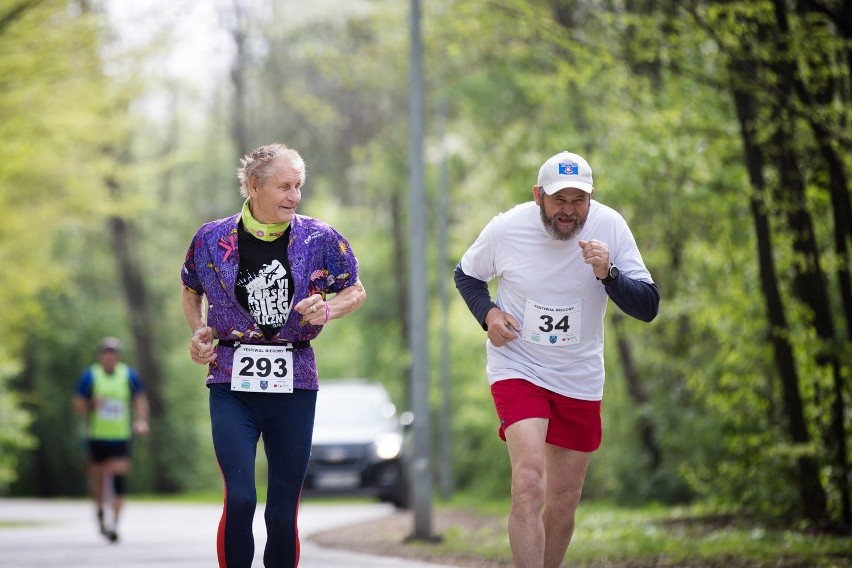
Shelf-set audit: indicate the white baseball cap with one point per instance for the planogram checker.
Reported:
(565, 170)
(109, 344)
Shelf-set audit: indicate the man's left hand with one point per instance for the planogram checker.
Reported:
(314, 309)
(596, 255)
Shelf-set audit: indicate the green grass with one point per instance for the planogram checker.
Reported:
(216, 496)
(612, 536)
(693, 536)
(207, 496)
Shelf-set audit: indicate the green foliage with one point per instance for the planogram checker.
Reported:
(50, 105)
(643, 91)
(14, 437)
(615, 536)
(59, 348)
(691, 536)
(482, 462)
(46, 108)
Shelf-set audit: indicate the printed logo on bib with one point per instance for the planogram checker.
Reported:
(552, 326)
(263, 368)
(112, 410)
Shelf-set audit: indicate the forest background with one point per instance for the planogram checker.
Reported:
(720, 130)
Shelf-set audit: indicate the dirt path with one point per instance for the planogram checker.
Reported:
(389, 536)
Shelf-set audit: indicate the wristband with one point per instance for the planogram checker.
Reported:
(199, 330)
(327, 313)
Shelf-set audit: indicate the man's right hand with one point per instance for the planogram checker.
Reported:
(201, 347)
(502, 327)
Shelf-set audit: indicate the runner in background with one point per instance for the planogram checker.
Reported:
(111, 395)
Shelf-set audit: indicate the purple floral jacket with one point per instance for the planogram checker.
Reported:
(321, 260)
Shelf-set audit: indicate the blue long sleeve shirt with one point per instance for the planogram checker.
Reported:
(635, 298)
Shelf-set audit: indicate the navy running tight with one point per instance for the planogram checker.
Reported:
(286, 423)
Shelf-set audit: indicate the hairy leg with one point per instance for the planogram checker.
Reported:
(566, 472)
(525, 441)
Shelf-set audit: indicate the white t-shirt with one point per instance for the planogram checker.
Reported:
(546, 279)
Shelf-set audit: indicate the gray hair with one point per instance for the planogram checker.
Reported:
(258, 164)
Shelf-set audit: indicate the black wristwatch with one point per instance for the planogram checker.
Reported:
(611, 275)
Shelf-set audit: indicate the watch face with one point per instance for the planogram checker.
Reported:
(611, 275)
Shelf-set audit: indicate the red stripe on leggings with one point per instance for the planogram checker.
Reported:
(296, 524)
(220, 534)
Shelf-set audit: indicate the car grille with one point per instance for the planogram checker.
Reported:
(340, 454)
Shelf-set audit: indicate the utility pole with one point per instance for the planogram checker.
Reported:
(418, 319)
(445, 451)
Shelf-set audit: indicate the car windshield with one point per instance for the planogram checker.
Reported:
(346, 405)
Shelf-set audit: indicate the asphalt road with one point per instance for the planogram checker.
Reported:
(47, 534)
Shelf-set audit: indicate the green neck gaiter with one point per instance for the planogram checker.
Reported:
(263, 231)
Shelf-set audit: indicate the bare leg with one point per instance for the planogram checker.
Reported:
(96, 486)
(566, 472)
(116, 467)
(117, 505)
(525, 441)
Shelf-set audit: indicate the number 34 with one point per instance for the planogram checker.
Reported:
(263, 367)
(548, 326)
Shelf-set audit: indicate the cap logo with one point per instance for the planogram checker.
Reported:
(567, 169)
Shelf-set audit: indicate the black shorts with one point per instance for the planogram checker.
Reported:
(102, 450)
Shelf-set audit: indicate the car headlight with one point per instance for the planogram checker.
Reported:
(388, 446)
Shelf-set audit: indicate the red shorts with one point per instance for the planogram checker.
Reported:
(574, 424)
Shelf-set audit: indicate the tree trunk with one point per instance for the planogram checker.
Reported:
(842, 217)
(647, 429)
(642, 50)
(143, 330)
(239, 128)
(811, 492)
(16, 13)
(810, 283)
(825, 138)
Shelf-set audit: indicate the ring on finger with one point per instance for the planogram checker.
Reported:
(313, 308)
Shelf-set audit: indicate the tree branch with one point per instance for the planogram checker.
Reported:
(16, 13)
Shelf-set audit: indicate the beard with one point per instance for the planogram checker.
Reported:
(553, 229)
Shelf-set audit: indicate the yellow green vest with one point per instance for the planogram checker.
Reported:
(112, 396)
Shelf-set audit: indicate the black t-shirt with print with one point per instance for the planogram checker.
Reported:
(264, 284)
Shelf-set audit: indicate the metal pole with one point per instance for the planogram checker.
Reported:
(445, 439)
(418, 301)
